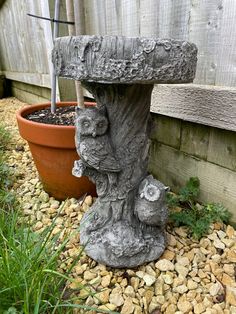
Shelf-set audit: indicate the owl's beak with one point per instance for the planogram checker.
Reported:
(142, 195)
(167, 188)
(93, 134)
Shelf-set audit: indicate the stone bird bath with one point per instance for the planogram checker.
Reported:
(126, 225)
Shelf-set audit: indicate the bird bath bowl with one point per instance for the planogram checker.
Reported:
(125, 227)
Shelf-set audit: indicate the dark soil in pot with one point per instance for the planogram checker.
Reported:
(62, 116)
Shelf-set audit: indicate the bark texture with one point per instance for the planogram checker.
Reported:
(125, 226)
(117, 59)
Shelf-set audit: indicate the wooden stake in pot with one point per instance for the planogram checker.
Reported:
(76, 30)
(54, 77)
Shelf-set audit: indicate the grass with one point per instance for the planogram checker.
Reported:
(7, 198)
(30, 282)
(4, 138)
(26, 259)
(29, 277)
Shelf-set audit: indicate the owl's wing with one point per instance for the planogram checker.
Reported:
(98, 154)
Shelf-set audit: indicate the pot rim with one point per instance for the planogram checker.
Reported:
(22, 112)
(50, 135)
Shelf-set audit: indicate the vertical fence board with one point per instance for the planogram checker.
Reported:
(174, 19)
(95, 17)
(22, 38)
(226, 50)
(130, 10)
(149, 15)
(205, 30)
(113, 17)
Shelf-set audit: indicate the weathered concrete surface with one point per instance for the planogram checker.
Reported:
(125, 227)
(116, 230)
(117, 59)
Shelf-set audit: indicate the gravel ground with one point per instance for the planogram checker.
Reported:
(191, 277)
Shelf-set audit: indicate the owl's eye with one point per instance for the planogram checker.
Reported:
(151, 191)
(100, 124)
(86, 124)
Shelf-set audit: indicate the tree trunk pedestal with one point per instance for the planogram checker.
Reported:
(125, 227)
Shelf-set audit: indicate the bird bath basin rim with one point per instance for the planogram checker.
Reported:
(125, 60)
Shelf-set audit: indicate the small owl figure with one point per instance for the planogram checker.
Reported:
(92, 141)
(150, 203)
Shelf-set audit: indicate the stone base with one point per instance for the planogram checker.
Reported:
(122, 243)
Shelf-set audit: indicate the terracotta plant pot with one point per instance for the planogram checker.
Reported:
(54, 153)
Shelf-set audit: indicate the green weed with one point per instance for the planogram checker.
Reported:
(196, 217)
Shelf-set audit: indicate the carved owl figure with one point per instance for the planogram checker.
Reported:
(92, 140)
(150, 203)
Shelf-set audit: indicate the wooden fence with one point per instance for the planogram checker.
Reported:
(26, 43)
